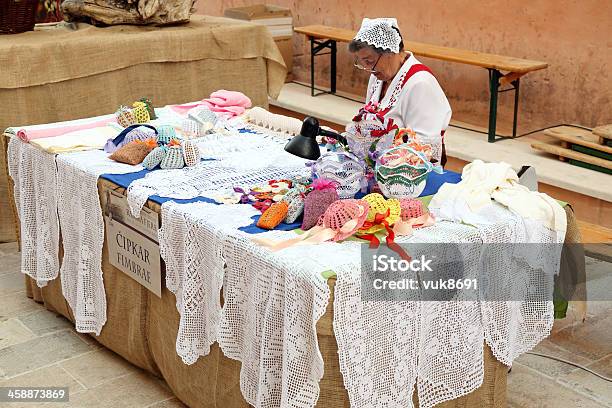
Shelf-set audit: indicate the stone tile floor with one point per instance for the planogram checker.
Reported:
(38, 347)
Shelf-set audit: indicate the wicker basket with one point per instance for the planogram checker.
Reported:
(17, 16)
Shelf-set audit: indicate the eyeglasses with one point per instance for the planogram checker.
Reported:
(364, 68)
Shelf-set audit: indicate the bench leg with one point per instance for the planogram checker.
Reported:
(316, 48)
(494, 76)
(332, 70)
(516, 85)
(312, 66)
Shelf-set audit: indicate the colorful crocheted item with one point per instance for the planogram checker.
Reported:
(125, 116)
(411, 208)
(408, 137)
(341, 219)
(344, 169)
(295, 201)
(165, 133)
(344, 217)
(274, 187)
(273, 216)
(154, 158)
(191, 153)
(141, 113)
(191, 128)
(315, 204)
(140, 133)
(382, 215)
(174, 158)
(150, 107)
(151, 142)
(389, 209)
(132, 153)
(401, 172)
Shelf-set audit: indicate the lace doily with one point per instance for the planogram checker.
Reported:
(191, 244)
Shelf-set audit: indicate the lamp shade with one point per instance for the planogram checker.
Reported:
(305, 144)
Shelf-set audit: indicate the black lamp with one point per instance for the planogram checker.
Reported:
(305, 144)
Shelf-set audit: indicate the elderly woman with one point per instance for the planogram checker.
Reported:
(402, 92)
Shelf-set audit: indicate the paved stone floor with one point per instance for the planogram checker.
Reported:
(38, 347)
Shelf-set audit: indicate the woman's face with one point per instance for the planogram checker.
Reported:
(381, 63)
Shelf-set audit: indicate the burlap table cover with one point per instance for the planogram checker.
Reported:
(57, 74)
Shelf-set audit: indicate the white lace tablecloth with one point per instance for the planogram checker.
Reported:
(274, 300)
(53, 191)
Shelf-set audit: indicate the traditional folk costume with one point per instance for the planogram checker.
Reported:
(414, 99)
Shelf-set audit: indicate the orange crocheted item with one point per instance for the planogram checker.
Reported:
(273, 215)
(174, 142)
(150, 143)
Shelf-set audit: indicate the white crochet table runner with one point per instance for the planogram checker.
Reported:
(62, 190)
(274, 300)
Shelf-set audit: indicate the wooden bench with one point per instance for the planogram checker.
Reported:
(324, 37)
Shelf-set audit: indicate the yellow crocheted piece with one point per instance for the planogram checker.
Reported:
(378, 205)
(141, 113)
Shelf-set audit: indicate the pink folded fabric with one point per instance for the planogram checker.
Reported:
(42, 131)
(223, 98)
(227, 103)
(227, 111)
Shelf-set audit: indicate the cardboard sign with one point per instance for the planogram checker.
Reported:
(148, 222)
(134, 254)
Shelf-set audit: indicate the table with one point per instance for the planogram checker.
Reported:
(324, 37)
(50, 75)
(142, 327)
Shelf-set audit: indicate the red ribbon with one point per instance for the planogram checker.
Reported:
(262, 205)
(381, 219)
(381, 132)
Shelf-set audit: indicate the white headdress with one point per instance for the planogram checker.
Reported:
(380, 33)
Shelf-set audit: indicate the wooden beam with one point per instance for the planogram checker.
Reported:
(510, 77)
(565, 154)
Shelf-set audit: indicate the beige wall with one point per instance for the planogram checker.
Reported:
(573, 36)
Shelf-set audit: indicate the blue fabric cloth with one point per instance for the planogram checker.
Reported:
(434, 181)
(124, 181)
(254, 229)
